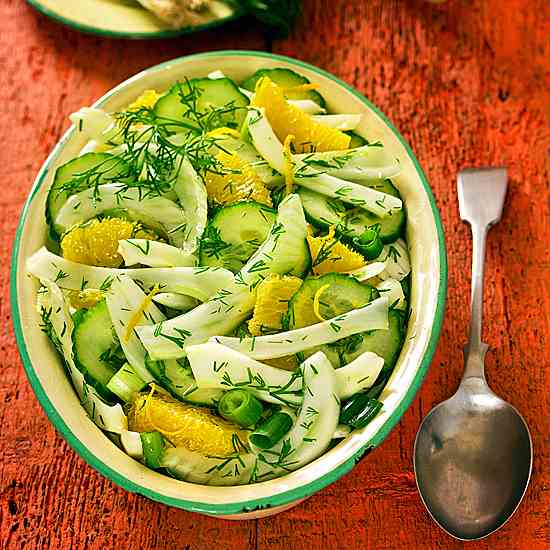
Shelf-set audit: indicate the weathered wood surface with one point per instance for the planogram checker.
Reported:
(468, 84)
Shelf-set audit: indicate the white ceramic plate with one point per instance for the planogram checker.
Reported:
(429, 281)
(125, 18)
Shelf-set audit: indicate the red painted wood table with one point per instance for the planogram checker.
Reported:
(467, 83)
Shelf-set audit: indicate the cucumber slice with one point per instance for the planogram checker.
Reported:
(384, 343)
(82, 173)
(341, 293)
(180, 382)
(56, 319)
(391, 226)
(93, 346)
(320, 210)
(189, 103)
(356, 140)
(286, 79)
(235, 233)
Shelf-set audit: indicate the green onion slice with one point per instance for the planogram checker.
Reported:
(153, 448)
(359, 410)
(271, 431)
(241, 407)
(369, 244)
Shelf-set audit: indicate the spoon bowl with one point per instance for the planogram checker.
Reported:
(472, 460)
(473, 453)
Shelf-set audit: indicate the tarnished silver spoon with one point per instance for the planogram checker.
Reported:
(473, 453)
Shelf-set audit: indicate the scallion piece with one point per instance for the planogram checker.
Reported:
(271, 431)
(369, 244)
(359, 410)
(125, 383)
(241, 407)
(153, 448)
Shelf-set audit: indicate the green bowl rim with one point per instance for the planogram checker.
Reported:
(97, 31)
(286, 496)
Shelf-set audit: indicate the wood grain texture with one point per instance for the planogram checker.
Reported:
(468, 84)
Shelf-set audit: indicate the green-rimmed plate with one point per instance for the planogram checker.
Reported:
(428, 290)
(125, 18)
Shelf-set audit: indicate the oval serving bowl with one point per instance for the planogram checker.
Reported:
(125, 19)
(429, 282)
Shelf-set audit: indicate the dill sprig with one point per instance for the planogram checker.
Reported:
(46, 326)
(212, 244)
(148, 148)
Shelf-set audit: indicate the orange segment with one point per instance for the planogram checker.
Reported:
(330, 255)
(96, 242)
(287, 119)
(195, 428)
(236, 181)
(147, 99)
(272, 297)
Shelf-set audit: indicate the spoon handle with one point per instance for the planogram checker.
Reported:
(481, 194)
(475, 350)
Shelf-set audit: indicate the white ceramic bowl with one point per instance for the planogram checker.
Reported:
(429, 280)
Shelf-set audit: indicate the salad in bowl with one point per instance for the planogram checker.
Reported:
(226, 273)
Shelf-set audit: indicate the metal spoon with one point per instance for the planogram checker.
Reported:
(473, 453)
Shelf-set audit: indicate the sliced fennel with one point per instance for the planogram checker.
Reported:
(192, 197)
(364, 164)
(216, 366)
(93, 146)
(284, 251)
(358, 375)
(236, 469)
(368, 271)
(131, 443)
(372, 316)
(157, 212)
(123, 301)
(394, 291)
(153, 254)
(309, 437)
(200, 283)
(310, 171)
(219, 315)
(175, 301)
(264, 139)
(340, 122)
(307, 105)
(370, 199)
(315, 426)
(246, 152)
(96, 124)
(56, 318)
(397, 260)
